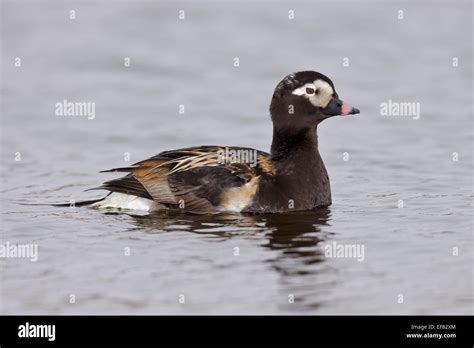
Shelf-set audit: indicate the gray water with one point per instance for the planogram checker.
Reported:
(402, 186)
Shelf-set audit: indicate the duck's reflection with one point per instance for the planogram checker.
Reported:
(295, 236)
(292, 240)
(297, 230)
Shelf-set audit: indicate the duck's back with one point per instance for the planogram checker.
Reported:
(202, 179)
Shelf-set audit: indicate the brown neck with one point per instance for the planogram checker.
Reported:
(290, 144)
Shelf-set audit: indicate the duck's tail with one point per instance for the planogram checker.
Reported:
(70, 204)
(112, 200)
(77, 204)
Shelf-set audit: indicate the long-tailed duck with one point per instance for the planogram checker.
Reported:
(209, 179)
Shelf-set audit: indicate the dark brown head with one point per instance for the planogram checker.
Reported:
(304, 99)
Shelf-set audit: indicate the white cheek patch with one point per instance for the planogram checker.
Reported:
(324, 96)
(320, 99)
(302, 90)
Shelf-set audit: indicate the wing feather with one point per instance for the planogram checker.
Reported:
(194, 177)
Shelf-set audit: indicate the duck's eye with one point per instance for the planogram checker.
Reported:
(309, 90)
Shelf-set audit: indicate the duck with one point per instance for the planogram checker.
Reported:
(212, 179)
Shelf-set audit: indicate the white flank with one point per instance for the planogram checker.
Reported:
(235, 207)
(124, 201)
(237, 198)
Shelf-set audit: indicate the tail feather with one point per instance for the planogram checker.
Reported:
(121, 170)
(78, 204)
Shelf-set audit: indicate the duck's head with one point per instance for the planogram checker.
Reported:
(304, 99)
